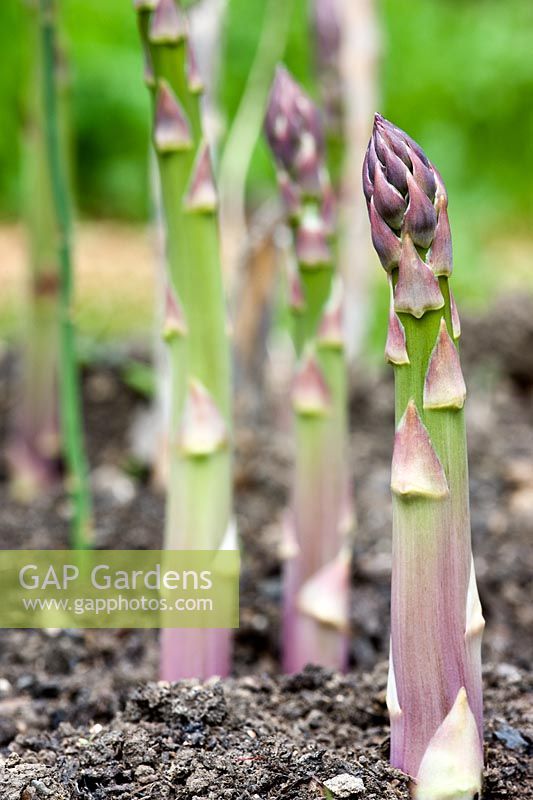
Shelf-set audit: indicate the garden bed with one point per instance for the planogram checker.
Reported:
(251, 739)
(78, 716)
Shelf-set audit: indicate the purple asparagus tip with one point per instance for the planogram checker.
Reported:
(407, 206)
(405, 195)
(294, 131)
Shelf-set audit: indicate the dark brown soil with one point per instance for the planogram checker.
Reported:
(250, 739)
(77, 717)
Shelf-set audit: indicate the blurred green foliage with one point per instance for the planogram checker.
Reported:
(109, 105)
(457, 75)
(12, 101)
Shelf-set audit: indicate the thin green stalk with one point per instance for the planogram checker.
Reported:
(198, 512)
(434, 693)
(246, 129)
(316, 581)
(69, 389)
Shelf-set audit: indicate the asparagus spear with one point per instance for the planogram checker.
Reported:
(69, 389)
(326, 21)
(316, 581)
(199, 493)
(435, 691)
(34, 446)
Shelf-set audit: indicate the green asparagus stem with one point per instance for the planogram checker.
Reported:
(34, 446)
(435, 693)
(70, 403)
(317, 565)
(199, 495)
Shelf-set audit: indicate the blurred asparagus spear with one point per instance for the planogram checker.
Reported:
(199, 491)
(34, 446)
(435, 690)
(316, 581)
(327, 28)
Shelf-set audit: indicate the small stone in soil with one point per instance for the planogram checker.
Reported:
(345, 785)
(511, 738)
(145, 774)
(113, 483)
